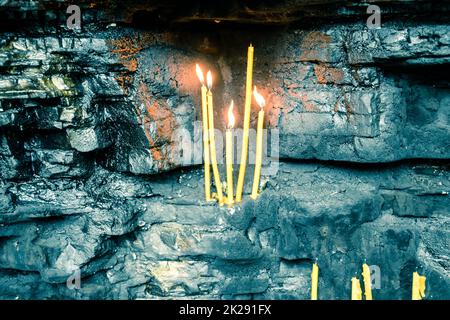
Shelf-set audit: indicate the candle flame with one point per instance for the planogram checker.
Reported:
(199, 73)
(259, 98)
(209, 79)
(231, 115)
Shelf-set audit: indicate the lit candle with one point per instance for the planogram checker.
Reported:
(356, 289)
(314, 281)
(205, 135)
(229, 154)
(418, 286)
(212, 140)
(259, 143)
(246, 129)
(367, 282)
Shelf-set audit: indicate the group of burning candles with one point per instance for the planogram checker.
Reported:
(209, 143)
(418, 284)
(210, 160)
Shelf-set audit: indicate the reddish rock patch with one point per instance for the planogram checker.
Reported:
(326, 74)
(159, 113)
(314, 46)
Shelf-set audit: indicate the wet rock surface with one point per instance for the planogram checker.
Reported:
(154, 237)
(94, 176)
(339, 93)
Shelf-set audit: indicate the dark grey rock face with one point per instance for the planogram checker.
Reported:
(154, 237)
(365, 96)
(91, 171)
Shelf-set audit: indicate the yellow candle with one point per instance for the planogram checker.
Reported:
(229, 154)
(418, 286)
(212, 139)
(246, 129)
(314, 281)
(259, 144)
(356, 289)
(367, 282)
(205, 136)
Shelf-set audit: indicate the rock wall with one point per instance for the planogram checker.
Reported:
(91, 177)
